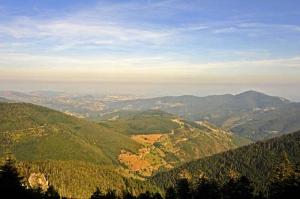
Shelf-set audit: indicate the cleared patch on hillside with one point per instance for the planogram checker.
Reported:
(147, 139)
(188, 142)
(149, 158)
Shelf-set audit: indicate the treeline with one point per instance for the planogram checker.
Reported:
(284, 183)
(257, 161)
(12, 185)
(78, 179)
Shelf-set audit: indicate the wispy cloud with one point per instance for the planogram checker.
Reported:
(66, 33)
(152, 69)
(139, 39)
(64, 30)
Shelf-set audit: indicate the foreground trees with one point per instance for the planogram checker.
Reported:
(10, 181)
(285, 183)
(13, 186)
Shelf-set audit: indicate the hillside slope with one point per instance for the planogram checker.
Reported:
(76, 155)
(256, 161)
(167, 140)
(238, 113)
(140, 122)
(126, 148)
(32, 132)
(262, 124)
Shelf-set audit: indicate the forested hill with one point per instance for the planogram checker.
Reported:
(249, 114)
(256, 161)
(76, 155)
(115, 153)
(32, 132)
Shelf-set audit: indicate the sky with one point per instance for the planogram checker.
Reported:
(166, 47)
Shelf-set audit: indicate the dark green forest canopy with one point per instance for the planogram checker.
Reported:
(284, 183)
(256, 161)
(140, 122)
(33, 132)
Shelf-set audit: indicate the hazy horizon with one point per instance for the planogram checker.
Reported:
(155, 90)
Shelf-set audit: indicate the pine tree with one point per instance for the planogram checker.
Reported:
(111, 194)
(51, 193)
(97, 194)
(10, 181)
(206, 189)
(170, 193)
(127, 195)
(157, 196)
(146, 195)
(285, 182)
(240, 188)
(182, 189)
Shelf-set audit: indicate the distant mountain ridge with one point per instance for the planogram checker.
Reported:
(233, 112)
(237, 113)
(197, 108)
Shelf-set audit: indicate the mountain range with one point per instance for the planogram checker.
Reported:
(146, 144)
(250, 114)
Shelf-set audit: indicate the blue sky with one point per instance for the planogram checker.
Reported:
(172, 41)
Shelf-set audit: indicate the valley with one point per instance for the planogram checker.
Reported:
(249, 114)
(134, 144)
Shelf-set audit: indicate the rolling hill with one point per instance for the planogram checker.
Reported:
(250, 114)
(256, 161)
(35, 133)
(167, 140)
(74, 104)
(140, 122)
(126, 146)
(263, 124)
(64, 147)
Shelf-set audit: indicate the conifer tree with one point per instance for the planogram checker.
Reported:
(240, 188)
(285, 182)
(170, 193)
(206, 189)
(111, 194)
(10, 181)
(97, 194)
(182, 189)
(128, 195)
